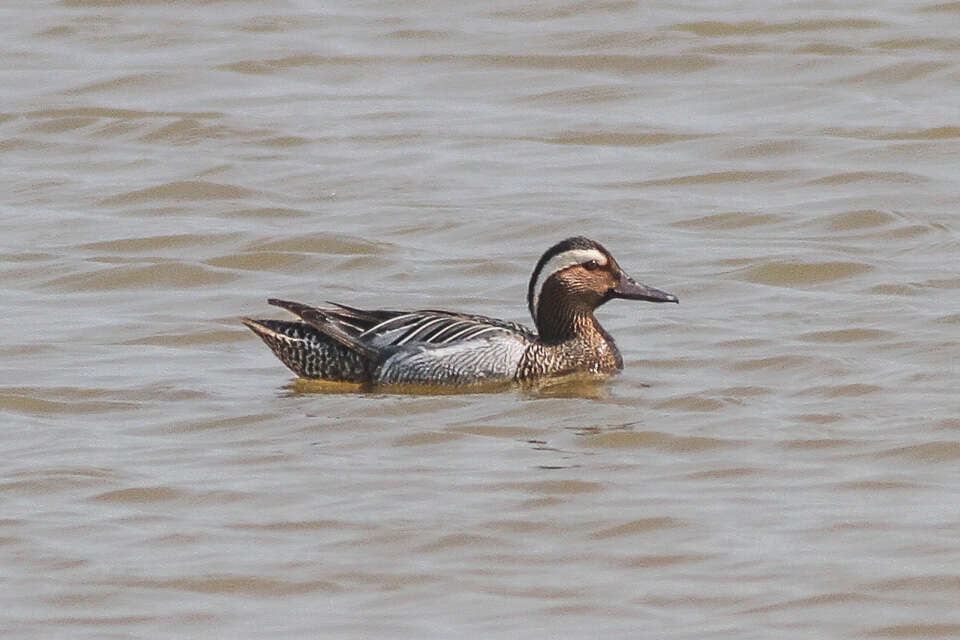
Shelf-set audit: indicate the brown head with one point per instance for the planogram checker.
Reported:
(574, 277)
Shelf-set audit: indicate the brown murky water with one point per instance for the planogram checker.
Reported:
(780, 459)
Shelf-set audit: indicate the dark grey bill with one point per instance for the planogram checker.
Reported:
(630, 289)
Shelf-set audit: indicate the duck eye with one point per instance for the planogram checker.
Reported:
(591, 265)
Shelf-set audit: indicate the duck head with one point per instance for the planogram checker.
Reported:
(574, 277)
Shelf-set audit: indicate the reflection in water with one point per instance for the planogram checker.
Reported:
(303, 386)
(576, 385)
(572, 386)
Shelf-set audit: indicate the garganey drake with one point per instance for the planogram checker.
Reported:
(429, 347)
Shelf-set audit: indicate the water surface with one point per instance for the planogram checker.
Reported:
(778, 459)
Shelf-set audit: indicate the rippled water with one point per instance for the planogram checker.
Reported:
(778, 460)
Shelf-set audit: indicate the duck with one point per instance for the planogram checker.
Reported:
(444, 348)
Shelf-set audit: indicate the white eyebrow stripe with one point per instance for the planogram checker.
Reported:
(561, 261)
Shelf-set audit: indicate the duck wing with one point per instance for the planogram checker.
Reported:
(369, 331)
(434, 327)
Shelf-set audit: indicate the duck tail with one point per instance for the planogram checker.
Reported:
(327, 324)
(310, 353)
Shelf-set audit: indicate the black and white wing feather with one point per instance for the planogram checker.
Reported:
(430, 327)
(370, 331)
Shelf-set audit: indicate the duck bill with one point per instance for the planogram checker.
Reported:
(630, 289)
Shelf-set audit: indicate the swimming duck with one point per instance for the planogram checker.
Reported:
(571, 279)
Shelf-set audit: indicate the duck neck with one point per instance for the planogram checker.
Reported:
(565, 321)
